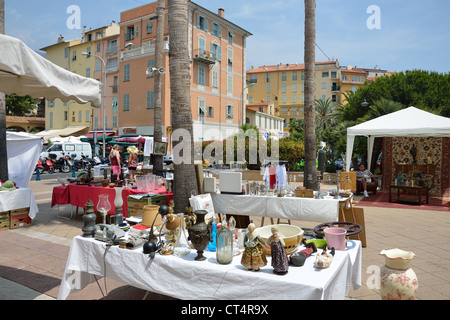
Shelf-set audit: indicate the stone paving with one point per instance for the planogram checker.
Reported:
(33, 259)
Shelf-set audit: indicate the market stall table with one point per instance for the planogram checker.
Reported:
(19, 199)
(291, 208)
(185, 278)
(77, 195)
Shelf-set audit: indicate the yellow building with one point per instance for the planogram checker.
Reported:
(284, 85)
(352, 79)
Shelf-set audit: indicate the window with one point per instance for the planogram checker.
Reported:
(126, 72)
(202, 23)
(66, 116)
(130, 33)
(74, 55)
(201, 74)
(201, 46)
(88, 72)
(66, 53)
(215, 79)
(354, 78)
(360, 79)
(230, 60)
(283, 87)
(324, 85)
(115, 123)
(267, 88)
(97, 66)
(344, 77)
(114, 105)
(69, 147)
(333, 74)
(284, 98)
(99, 47)
(96, 122)
(51, 120)
(294, 98)
(149, 26)
(284, 109)
(126, 102)
(112, 46)
(267, 77)
(112, 65)
(325, 74)
(216, 51)
(210, 112)
(303, 75)
(230, 83)
(354, 88)
(283, 76)
(88, 51)
(294, 87)
(230, 37)
(150, 64)
(201, 109)
(51, 103)
(106, 121)
(136, 28)
(229, 112)
(79, 116)
(294, 75)
(87, 113)
(150, 100)
(253, 78)
(216, 30)
(268, 98)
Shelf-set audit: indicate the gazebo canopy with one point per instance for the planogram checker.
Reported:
(410, 121)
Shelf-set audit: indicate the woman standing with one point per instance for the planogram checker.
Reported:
(132, 162)
(115, 160)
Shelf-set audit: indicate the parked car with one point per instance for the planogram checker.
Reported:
(61, 148)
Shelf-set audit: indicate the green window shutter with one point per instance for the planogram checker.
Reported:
(150, 100)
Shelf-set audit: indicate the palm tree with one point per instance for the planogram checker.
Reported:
(326, 115)
(3, 154)
(382, 107)
(180, 102)
(310, 134)
(157, 160)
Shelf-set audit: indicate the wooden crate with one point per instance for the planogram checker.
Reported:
(19, 218)
(4, 221)
(304, 193)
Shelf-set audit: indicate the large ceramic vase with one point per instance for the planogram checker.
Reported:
(200, 233)
(398, 280)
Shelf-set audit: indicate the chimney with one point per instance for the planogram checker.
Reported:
(221, 12)
(60, 38)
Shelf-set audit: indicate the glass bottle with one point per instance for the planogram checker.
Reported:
(212, 244)
(224, 244)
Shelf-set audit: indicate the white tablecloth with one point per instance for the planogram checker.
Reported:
(293, 208)
(185, 278)
(19, 199)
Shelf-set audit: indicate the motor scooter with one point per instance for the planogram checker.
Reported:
(63, 163)
(44, 165)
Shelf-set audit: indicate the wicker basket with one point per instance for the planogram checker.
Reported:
(291, 235)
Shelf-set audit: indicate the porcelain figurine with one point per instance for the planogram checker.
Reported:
(253, 257)
(324, 259)
(398, 280)
(280, 261)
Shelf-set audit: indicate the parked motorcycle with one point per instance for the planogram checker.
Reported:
(64, 164)
(44, 165)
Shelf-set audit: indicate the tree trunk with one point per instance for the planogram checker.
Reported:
(3, 153)
(180, 81)
(310, 174)
(157, 160)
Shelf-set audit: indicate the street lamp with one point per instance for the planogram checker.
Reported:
(364, 103)
(104, 88)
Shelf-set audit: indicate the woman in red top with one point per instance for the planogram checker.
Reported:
(114, 159)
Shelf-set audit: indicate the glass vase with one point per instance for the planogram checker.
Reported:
(224, 244)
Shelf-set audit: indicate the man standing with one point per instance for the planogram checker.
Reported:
(364, 176)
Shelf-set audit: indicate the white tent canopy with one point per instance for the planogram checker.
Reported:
(25, 72)
(406, 122)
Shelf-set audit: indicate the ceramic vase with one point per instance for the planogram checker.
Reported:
(398, 280)
(200, 234)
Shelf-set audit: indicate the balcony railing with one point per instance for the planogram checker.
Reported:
(204, 56)
(335, 88)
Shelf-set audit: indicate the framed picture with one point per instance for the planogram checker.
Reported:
(160, 148)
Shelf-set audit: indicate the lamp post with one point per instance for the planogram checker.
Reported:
(104, 89)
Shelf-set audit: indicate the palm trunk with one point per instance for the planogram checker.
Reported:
(309, 109)
(180, 80)
(157, 160)
(3, 153)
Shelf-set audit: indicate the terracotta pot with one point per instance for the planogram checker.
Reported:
(398, 280)
(150, 212)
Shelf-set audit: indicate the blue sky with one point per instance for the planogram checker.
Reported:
(413, 34)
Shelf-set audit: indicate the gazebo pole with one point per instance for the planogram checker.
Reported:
(4, 154)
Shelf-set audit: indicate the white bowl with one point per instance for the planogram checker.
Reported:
(291, 235)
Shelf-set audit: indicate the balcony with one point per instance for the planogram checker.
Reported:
(146, 50)
(335, 87)
(204, 56)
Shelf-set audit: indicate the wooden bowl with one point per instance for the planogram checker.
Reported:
(291, 235)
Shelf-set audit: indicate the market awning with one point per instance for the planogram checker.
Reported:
(25, 72)
(99, 134)
(68, 131)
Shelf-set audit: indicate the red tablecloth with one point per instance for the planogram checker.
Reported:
(78, 195)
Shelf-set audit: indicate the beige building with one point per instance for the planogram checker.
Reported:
(262, 115)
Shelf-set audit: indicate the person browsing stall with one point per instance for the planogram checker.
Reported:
(132, 162)
(115, 160)
(364, 176)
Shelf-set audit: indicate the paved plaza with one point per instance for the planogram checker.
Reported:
(33, 259)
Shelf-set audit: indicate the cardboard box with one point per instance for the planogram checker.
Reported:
(136, 206)
(4, 221)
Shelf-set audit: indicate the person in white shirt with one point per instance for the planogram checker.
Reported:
(364, 176)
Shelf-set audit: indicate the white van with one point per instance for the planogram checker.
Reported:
(68, 148)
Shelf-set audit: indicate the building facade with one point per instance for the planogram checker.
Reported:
(217, 54)
(352, 79)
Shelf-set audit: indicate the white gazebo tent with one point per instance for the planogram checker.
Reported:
(410, 122)
(25, 72)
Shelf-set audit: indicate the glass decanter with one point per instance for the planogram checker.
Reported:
(103, 206)
(224, 244)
